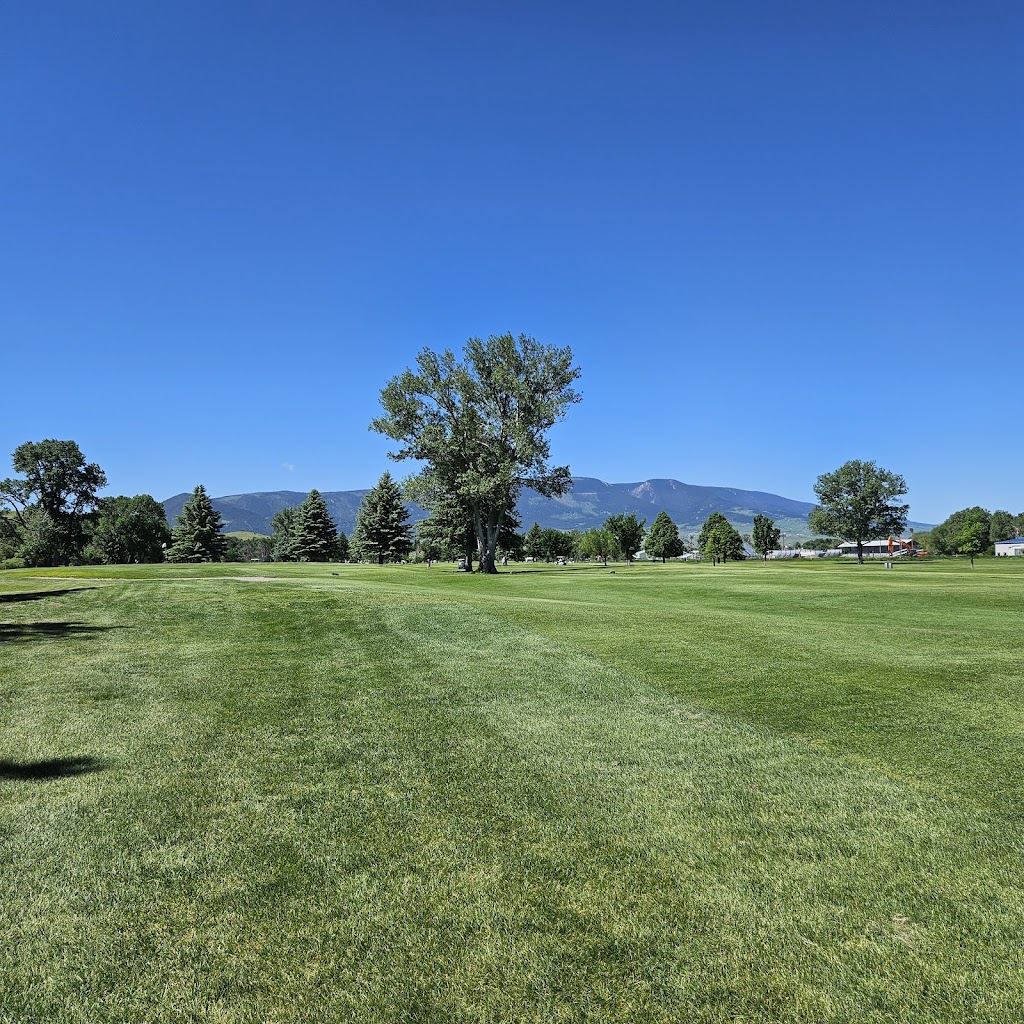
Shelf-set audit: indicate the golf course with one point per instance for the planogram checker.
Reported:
(310, 792)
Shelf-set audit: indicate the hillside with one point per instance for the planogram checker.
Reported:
(588, 504)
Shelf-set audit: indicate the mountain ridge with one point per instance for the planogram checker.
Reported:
(587, 504)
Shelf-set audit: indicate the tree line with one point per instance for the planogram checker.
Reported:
(477, 427)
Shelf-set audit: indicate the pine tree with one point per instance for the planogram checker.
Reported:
(382, 527)
(343, 548)
(316, 536)
(663, 538)
(197, 537)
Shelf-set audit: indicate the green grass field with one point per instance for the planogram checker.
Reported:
(668, 793)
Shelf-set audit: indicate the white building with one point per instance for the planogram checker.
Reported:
(1010, 547)
(889, 547)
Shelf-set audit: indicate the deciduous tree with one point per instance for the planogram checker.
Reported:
(284, 525)
(858, 503)
(480, 425)
(129, 529)
(51, 500)
(972, 539)
(1001, 527)
(719, 540)
(662, 539)
(597, 543)
(628, 532)
(765, 537)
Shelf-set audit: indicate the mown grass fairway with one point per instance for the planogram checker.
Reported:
(671, 793)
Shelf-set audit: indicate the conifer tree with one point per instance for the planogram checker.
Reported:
(382, 527)
(343, 548)
(197, 537)
(663, 538)
(316, 536)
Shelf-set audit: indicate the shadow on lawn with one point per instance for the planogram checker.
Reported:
(54, 768)
(38, 595)
(15, 632)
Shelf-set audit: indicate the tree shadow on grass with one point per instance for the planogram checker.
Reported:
(19, 632)
(38, 595)
(53, 768)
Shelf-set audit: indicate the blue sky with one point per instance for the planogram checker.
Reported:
(776, 236)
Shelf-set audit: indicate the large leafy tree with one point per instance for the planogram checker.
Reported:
(533, 542)
(944, 538)
(129, 529)
(316, 535)
(198, 537)
(858, 502)
(720, 541)
(597, 543)
(480, 426)
(663, 539)
(1001, 527)
(51, 500)
(382, 523)
(628, 532)
(972, 539)
(765, 537)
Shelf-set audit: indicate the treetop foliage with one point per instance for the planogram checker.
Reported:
(382, 532)
(765, 537)
(858, 503)
(480, 426)
(51, 499)
(197, 537)
(663, 540)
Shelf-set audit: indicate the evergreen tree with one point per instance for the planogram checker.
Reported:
(382, 527)
(316, 536)
(342, 548)
(663, 538)
(197, 537)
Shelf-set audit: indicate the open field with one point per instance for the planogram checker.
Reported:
(668, 793)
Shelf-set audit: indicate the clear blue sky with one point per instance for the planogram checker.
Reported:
(776, 236)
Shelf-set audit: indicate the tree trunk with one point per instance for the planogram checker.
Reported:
(860, 551)
(487, 540)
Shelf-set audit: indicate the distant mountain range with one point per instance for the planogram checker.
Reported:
(588, 504)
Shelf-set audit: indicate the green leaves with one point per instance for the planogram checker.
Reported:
(628, 532)
(51, 502)
(765, 537)
(719, 540)
(663, 538)
(480, 425)
(858, 503)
